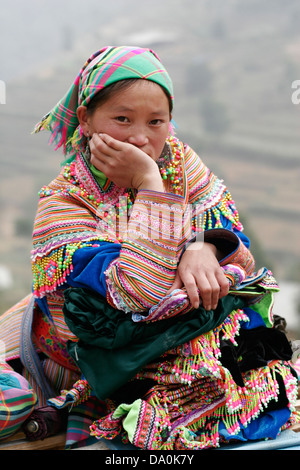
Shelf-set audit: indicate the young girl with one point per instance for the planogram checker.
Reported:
(144, 290)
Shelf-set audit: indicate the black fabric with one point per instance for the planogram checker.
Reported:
(112, 348)
(132, 390)
(225, 240)
(255, 348)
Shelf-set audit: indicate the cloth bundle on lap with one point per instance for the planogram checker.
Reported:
(169, 385)
(112, 348)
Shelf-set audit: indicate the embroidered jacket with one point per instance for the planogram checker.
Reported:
(126, 245)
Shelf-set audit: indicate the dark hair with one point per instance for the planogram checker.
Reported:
(107, 92)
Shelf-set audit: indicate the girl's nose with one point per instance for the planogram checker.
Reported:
(138, 137)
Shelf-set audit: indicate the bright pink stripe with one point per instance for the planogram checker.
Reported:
(121, 61)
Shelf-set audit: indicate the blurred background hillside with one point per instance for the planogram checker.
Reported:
(232, 62)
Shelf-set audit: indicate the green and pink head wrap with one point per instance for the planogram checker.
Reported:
(107, 66)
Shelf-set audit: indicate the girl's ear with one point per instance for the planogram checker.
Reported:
(83, 119)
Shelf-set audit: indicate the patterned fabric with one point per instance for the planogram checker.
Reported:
(84, 409)
(104, 67)
(158, 253)
(208, 195)
(138, 419)
(57, 376)
(17, 400)
(49, 337)
(80, 418)
(50, 341)
(195, 396)
(241, 256)
(76, 193)
(79, 393)
(10, 329)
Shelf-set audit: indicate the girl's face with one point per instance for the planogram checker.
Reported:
(139, 115)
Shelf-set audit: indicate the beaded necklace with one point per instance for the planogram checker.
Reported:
(170, 164)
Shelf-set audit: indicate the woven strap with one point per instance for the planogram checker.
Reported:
(28, 354)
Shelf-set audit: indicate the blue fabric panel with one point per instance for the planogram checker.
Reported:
(267, 425)
(255, 319)
(242, 237)
(90, 264)
(286, 440)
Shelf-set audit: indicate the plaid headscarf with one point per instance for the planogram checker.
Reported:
(108, 65)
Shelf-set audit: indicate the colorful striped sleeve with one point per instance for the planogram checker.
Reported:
(147, 264)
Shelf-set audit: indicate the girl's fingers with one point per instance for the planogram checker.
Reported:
(208, 287)
(205, 292)
(192, 290)
(102, 148)
(110, 141)
(98, 146)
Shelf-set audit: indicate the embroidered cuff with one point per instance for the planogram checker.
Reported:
(232, 247)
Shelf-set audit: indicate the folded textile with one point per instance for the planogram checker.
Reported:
(254, 348)
(17, 400)
(112, 348)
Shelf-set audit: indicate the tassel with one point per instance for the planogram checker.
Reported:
(43, 124)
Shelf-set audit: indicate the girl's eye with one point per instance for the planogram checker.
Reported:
(156, 122)
(122, 118)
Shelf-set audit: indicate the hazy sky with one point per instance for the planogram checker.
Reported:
(33, 30)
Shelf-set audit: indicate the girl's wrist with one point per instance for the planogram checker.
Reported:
(152, 183)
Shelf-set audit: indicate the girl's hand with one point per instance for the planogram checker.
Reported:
(124, 164)
(199, 270)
